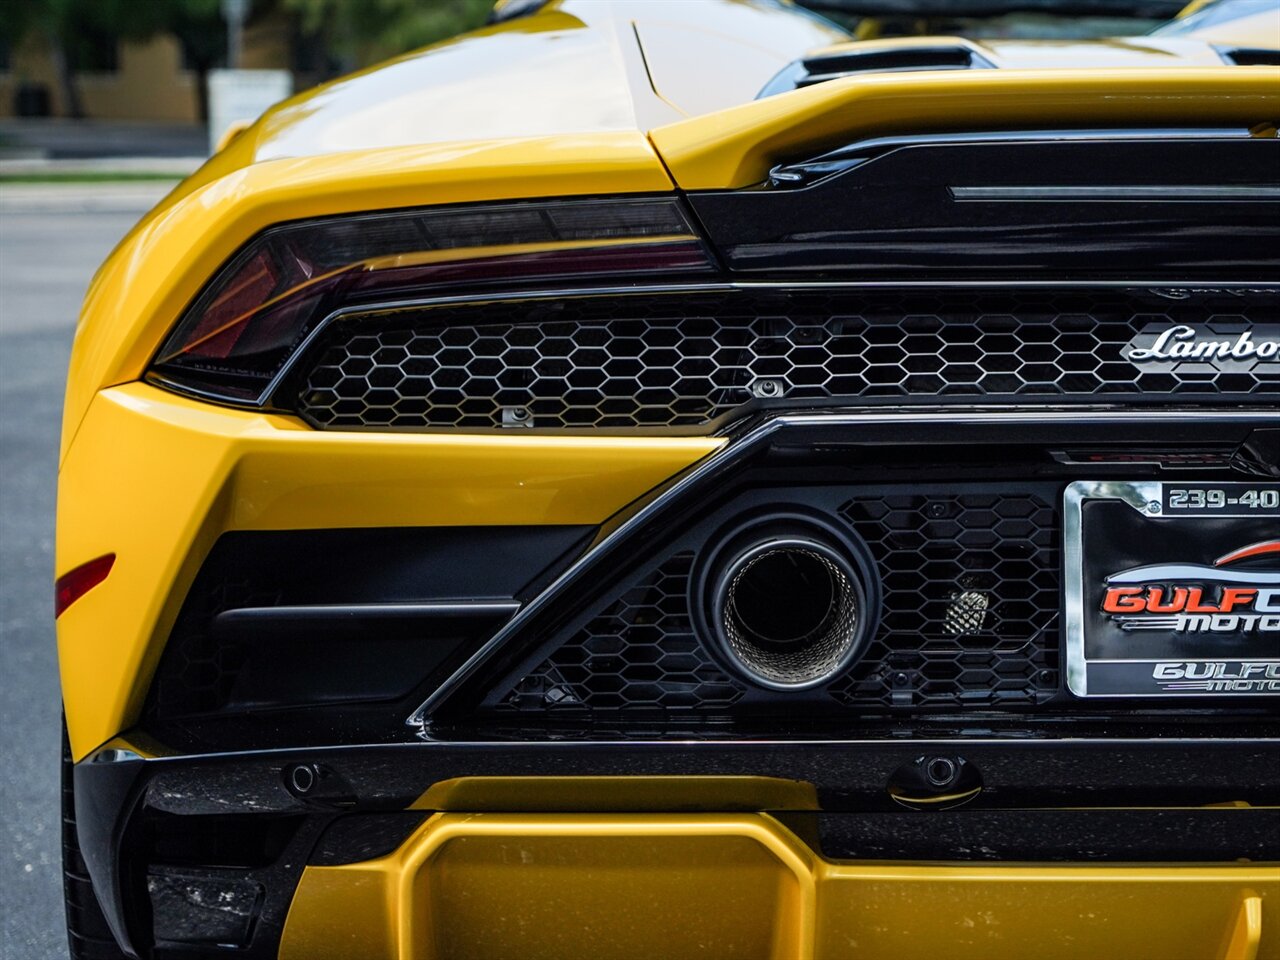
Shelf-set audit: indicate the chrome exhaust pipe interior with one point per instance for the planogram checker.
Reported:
(788, 611)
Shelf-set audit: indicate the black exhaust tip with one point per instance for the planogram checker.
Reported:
(788, 608)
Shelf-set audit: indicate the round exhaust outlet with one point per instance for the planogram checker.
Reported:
(788, 611)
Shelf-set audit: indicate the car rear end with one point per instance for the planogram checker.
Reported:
(843, 524)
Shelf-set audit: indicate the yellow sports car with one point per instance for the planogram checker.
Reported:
(670, 480)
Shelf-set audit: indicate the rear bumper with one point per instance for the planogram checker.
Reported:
(156, 478)
(744, 885)
(648, 841)
(448, 849)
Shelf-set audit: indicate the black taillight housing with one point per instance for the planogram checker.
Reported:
(236, 339)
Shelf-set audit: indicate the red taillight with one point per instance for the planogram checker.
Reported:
(70, 587)
(235, 340)
(221, 325)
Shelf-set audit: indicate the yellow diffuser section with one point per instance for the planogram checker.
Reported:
(742, 885)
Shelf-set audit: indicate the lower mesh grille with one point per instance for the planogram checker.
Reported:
(970, 584)
(639, 653)
(970, 611)
(653, 361)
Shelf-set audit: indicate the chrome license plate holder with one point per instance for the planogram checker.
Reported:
(1172, 589)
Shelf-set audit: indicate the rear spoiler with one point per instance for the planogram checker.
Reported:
(737, 147)
(917, 9)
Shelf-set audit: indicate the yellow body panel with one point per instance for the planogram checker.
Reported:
(156, 478)
(736, 147)
(1192, 7)
(725, 885)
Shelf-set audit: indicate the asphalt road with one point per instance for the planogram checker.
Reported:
(51, 241)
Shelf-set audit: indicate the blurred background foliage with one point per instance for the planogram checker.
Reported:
(359, 32)
(83, 36)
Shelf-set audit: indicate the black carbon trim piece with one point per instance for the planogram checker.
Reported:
(364, 836)
(1112, 762)
(1095, 836)
(885, 209)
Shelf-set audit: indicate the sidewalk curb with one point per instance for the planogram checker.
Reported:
(176, 167)
(132, 197)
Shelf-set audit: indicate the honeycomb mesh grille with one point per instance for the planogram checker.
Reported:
(639, 654)
(660, 362)
(970, 601)
(970, 618)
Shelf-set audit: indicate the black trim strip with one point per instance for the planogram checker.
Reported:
(1133, 193)
(1204, 835)
(1141, 768)
(264, 621)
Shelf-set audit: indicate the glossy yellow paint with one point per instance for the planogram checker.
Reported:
(706, 56)
(155, 478)
(721, 885)
(736, 147)
(1244, 942)
(572, 67)
(141, 290)
(1192, 7)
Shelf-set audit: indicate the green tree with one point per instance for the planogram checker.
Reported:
(365, 31)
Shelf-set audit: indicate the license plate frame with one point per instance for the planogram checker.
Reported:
(1130, 544)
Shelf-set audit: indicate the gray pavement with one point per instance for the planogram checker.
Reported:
(50, 244)
(59, 138)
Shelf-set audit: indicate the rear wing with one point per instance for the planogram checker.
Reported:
(737, 147)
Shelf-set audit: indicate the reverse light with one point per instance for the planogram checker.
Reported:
(71, 586)
(237, 337)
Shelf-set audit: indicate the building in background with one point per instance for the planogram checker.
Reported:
(151, 79)
(146, 60)
(91, 79)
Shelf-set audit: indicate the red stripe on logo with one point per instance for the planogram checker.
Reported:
(1257, 549)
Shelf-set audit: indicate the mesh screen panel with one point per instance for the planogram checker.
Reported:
(661, 362)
